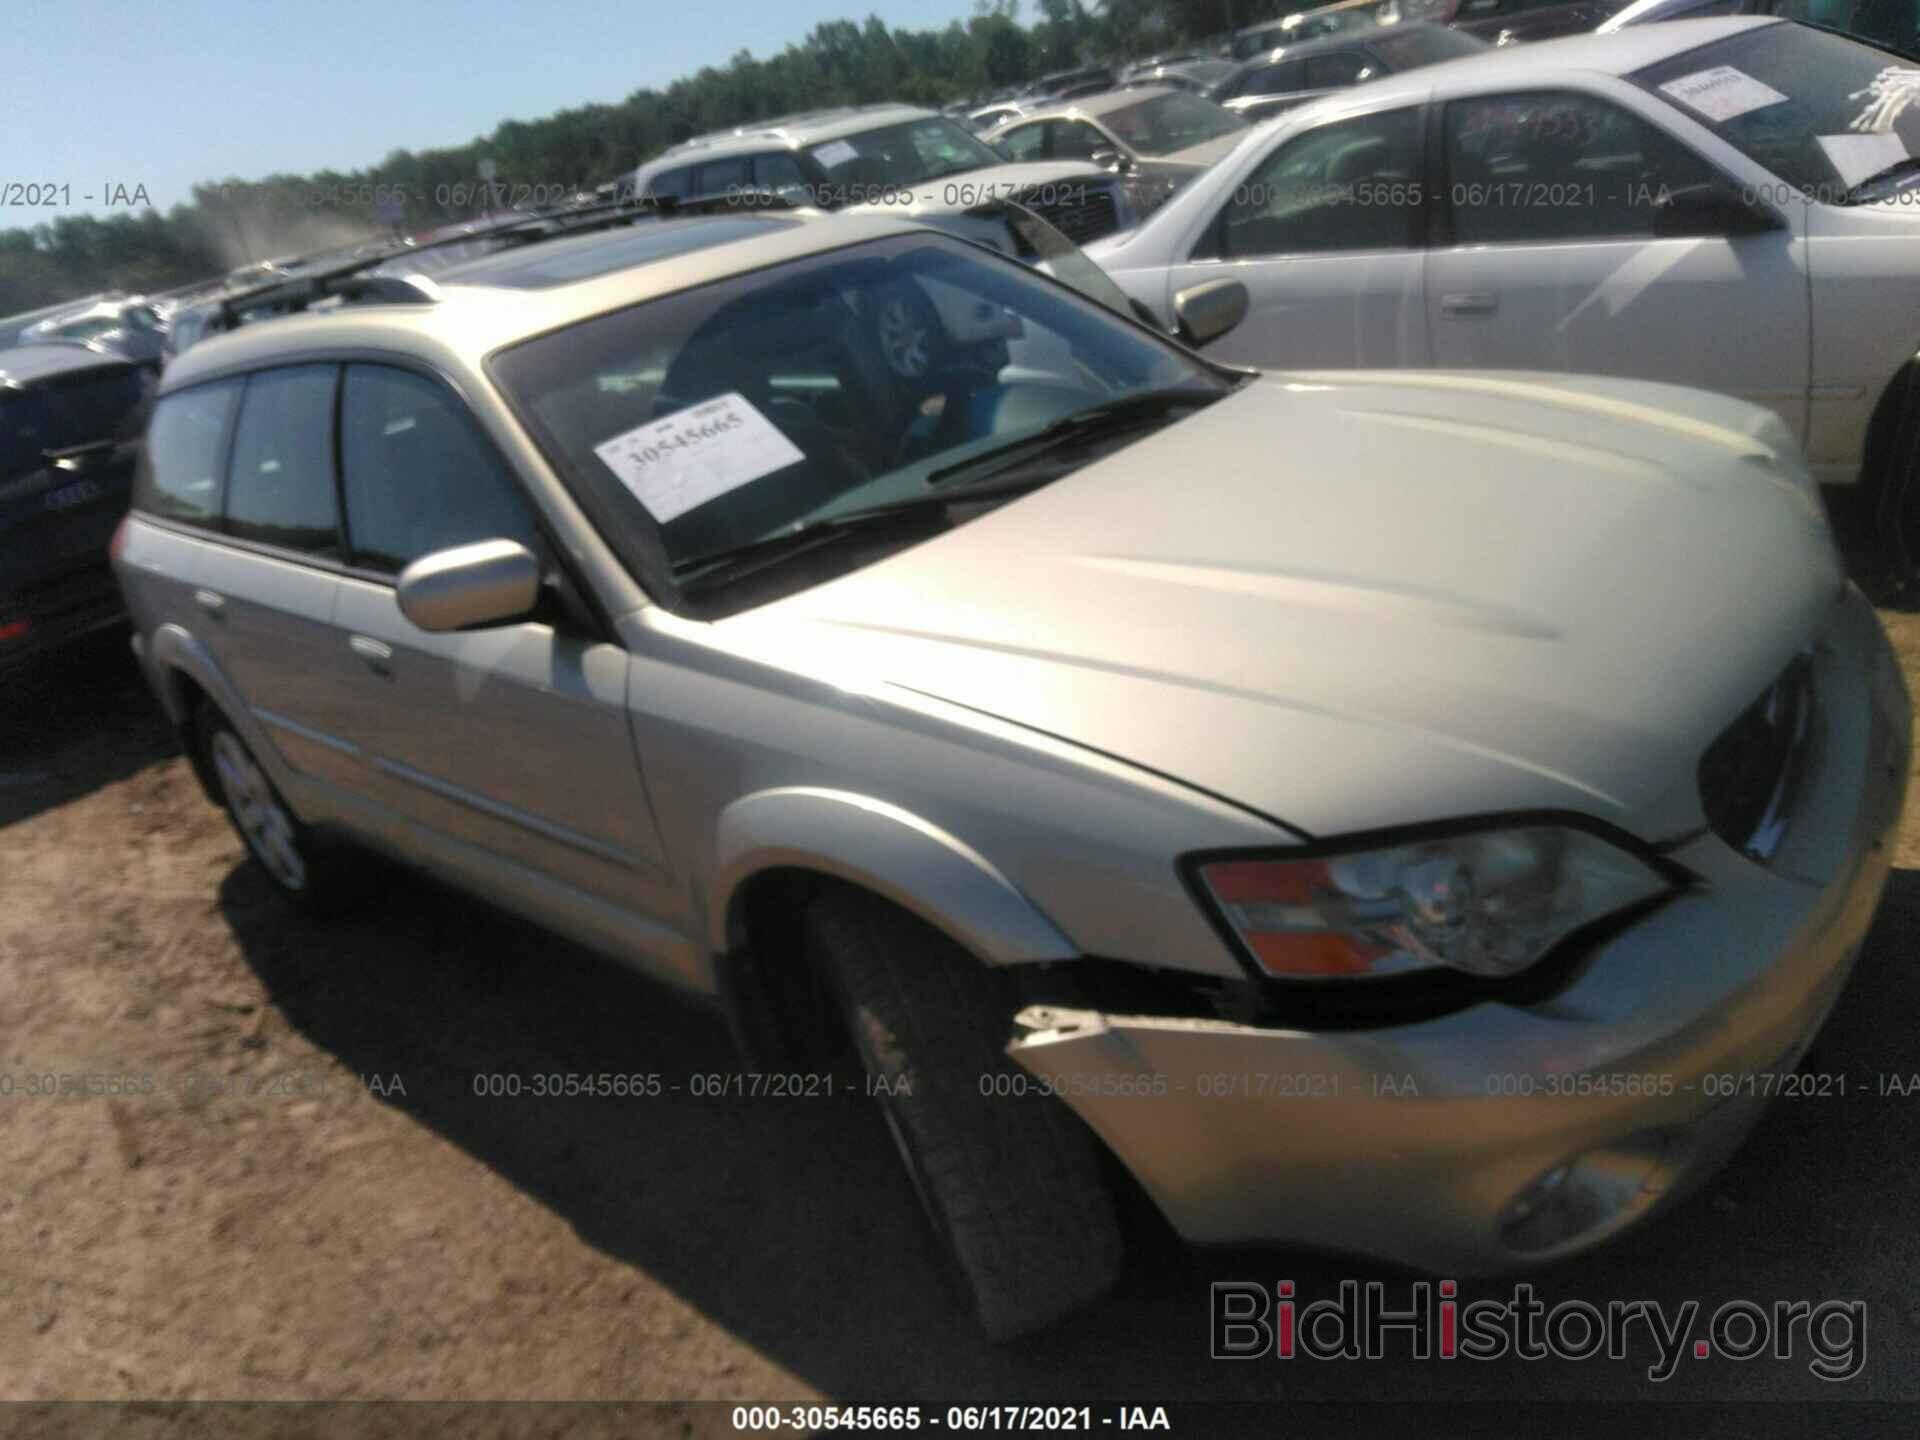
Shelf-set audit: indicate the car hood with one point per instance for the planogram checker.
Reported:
(1352, 600)
(978, 187)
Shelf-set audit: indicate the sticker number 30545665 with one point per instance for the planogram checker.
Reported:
(698, 454)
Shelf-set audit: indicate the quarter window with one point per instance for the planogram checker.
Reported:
(280, 480)
(1555, 166)
(179, 475)
(417, 473)
(1353, 185)
(1026, 143)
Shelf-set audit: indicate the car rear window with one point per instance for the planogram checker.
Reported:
(179, 477)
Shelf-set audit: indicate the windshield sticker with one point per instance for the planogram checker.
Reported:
(697, 454)
(836, 153)
(1888, 97)
(1722, 93)
(1855, 157)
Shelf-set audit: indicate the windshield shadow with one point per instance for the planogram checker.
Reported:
(788, 1222)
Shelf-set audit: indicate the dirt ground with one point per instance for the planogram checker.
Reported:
(298, 1194)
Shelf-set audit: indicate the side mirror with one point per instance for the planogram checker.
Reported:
(489, 582)
(1206, 312)
(1112, 160)
(1712, 208)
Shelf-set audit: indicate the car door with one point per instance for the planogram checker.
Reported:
(264, 594)
(1547, 257)
(512, 740)
(1323, 231)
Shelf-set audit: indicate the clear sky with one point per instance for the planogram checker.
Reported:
(129, 92)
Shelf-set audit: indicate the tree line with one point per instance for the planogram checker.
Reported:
(234, 222)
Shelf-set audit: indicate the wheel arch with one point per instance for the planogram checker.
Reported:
(185, 677)
(778, 849)
(882, 848)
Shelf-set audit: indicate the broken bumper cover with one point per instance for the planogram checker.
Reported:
(1499, 1136)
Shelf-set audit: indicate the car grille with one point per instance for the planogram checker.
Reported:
(1748, 774)
(1081, 213)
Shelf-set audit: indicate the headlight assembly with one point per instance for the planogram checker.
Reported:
(1488, 903)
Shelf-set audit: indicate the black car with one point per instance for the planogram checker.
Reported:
(71, 419)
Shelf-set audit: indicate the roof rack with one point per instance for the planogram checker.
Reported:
(349, 282)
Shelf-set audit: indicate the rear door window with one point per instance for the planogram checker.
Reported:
(280, 487)
(180, 470)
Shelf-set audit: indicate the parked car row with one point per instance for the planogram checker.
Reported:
(1719, 203)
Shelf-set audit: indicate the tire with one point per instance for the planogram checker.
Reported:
(319, 874)
(1012, 1187)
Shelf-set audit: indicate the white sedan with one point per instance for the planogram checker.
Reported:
(1729, 203)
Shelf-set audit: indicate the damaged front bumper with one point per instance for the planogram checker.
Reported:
(1503, 1135)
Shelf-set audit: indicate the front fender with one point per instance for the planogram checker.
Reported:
(887, 850)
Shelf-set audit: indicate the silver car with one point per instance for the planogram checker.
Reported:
(1385, 811)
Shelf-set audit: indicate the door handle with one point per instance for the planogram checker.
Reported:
(378, 654)
(1469, 302)
(210, 601)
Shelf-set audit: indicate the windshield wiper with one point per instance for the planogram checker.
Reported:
(1122, 413)
(731, 561)
(1899, 167)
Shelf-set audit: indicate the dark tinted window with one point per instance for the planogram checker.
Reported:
(718, 177)
(60, 414)
(1347, 186)
(280, 480)
(1077, 140)
(1281, 79)
(1557, 166)
(27, 428)
(1419, 45)
(671, 182)
(103, 404)
(1342, 67)
(180, 472)
(777, 170)
(418, 475)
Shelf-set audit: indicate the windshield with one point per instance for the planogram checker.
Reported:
(898, 155)
(718, 417)
(1820, 111)
(1170, 122)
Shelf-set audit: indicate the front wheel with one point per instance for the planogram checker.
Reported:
(1012, 1187)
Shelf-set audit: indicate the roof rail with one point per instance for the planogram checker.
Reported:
(348, 281)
